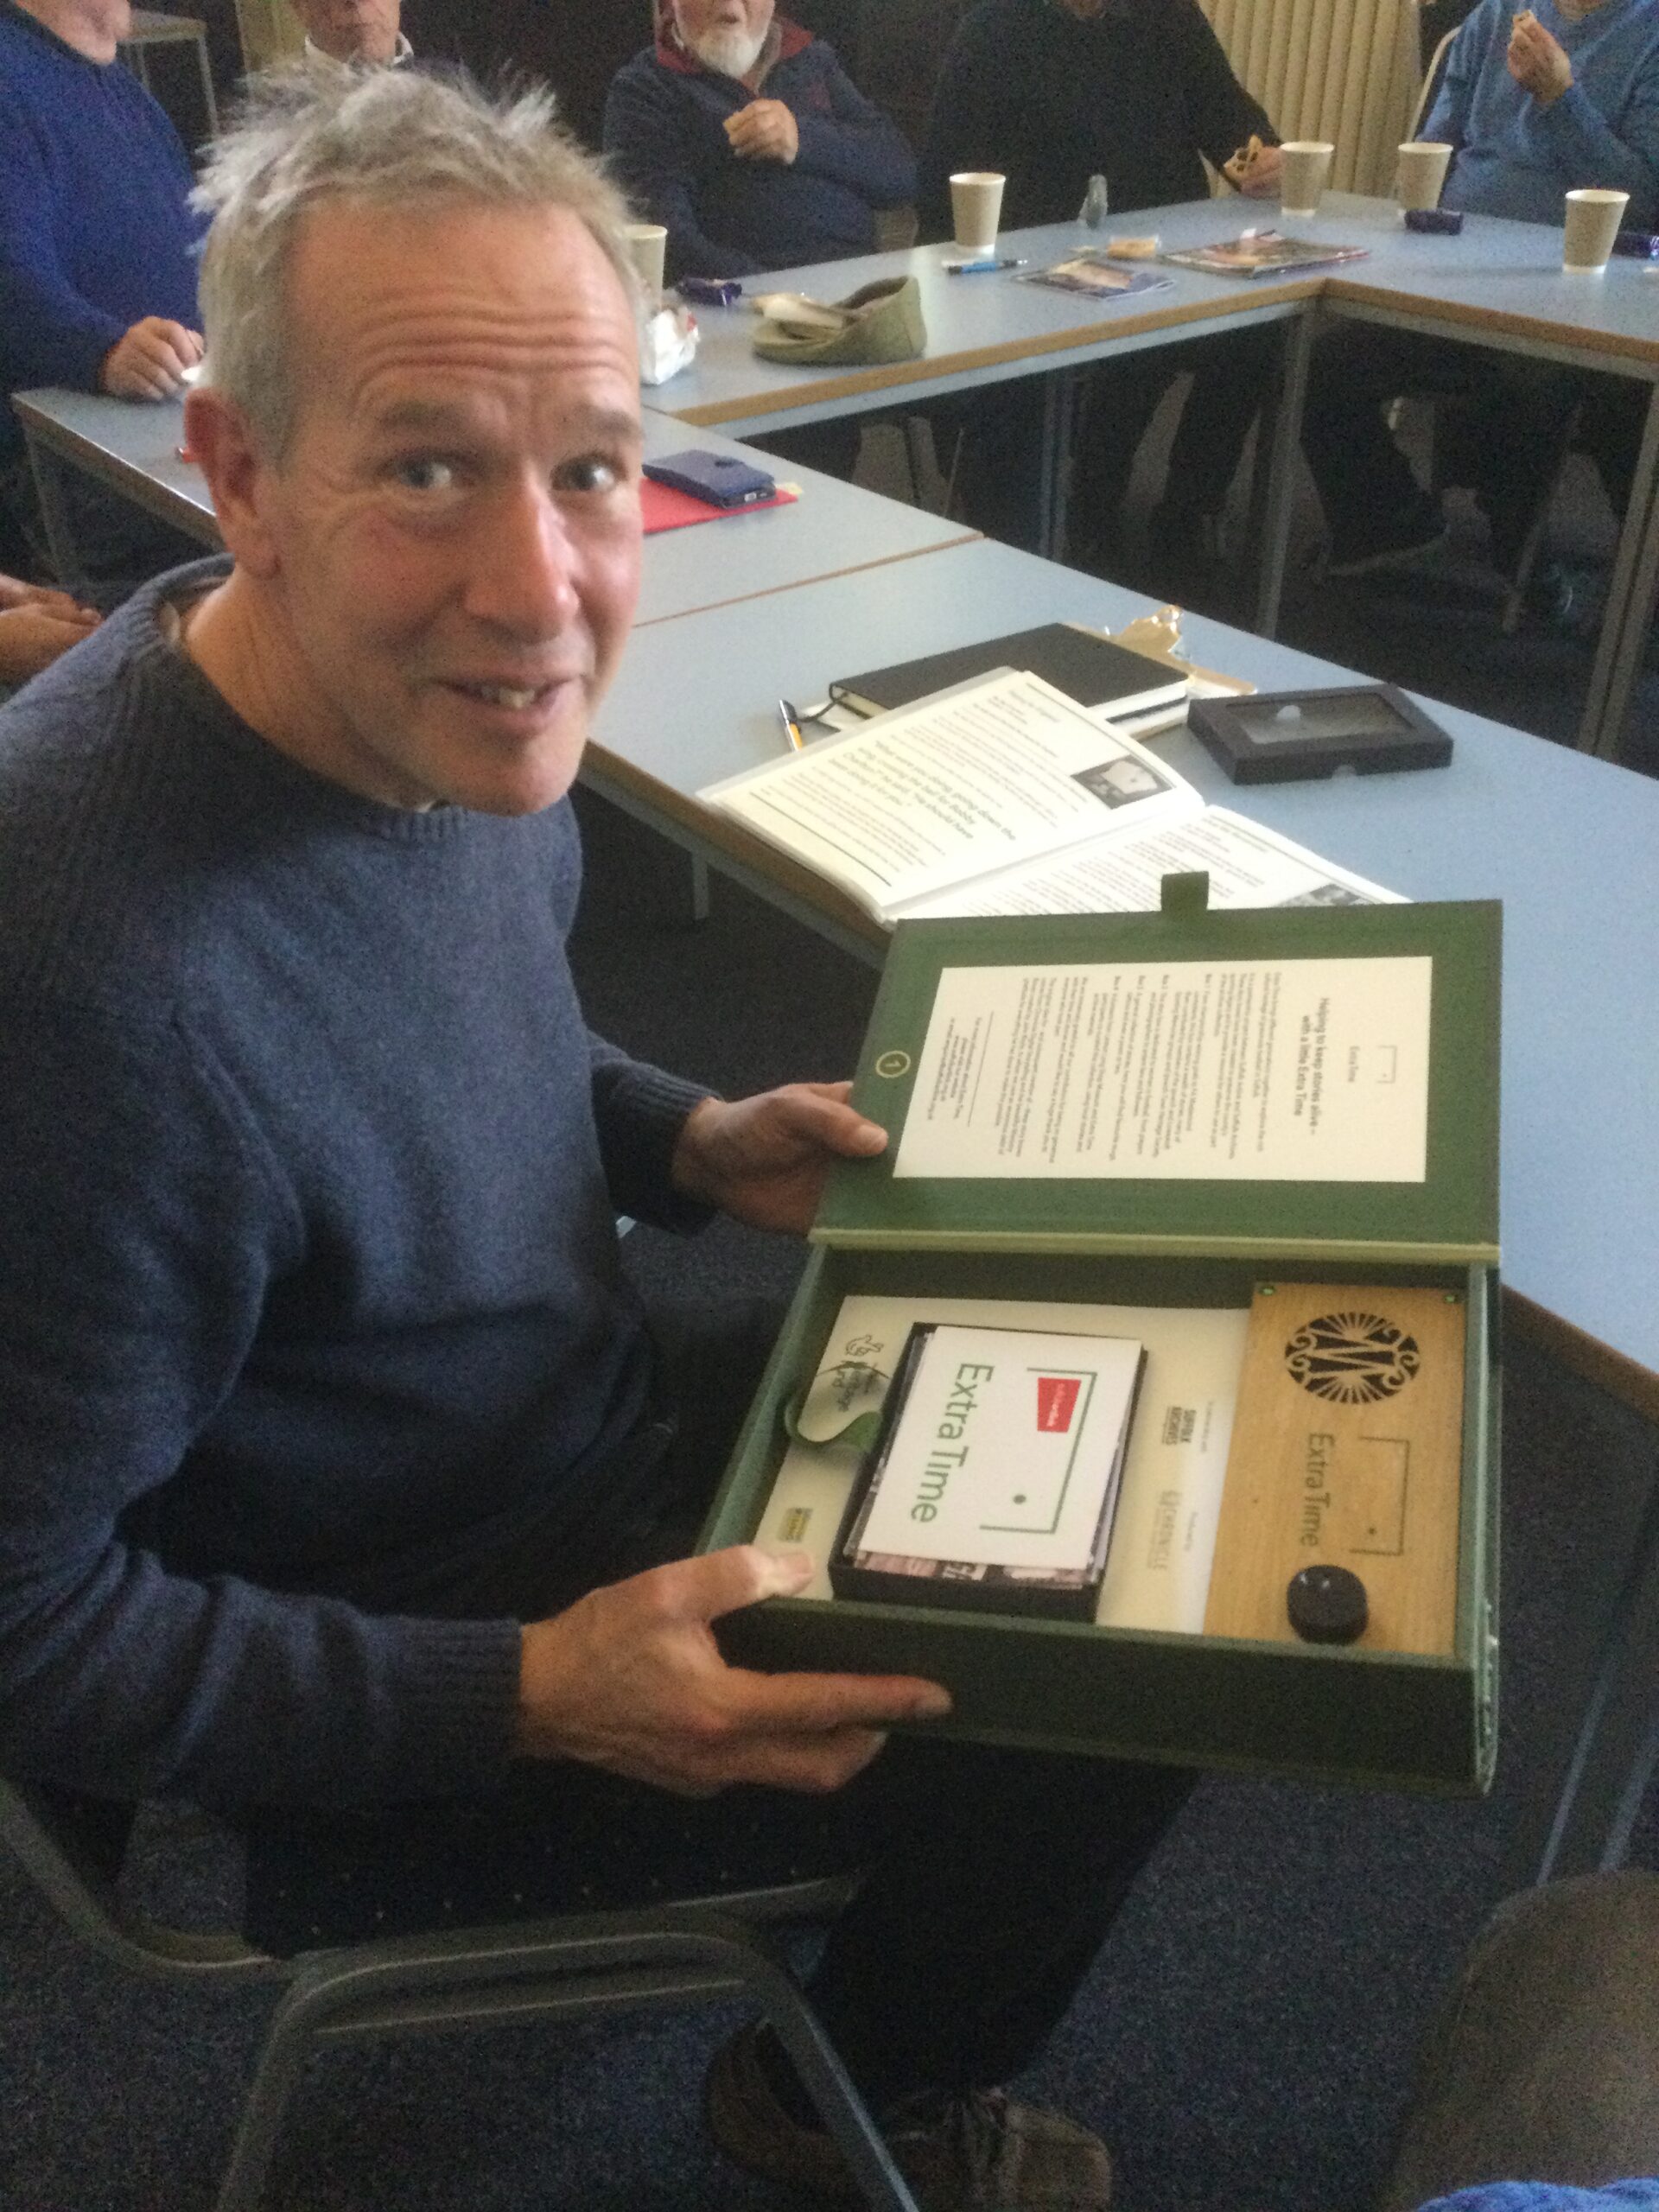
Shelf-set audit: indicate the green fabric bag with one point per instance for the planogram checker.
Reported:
(879, 322)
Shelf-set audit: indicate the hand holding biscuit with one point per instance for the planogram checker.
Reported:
(1537, 61)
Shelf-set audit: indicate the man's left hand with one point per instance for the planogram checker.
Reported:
(1261, 179)
(1538, 60)
(764, 1159)
(764, 131)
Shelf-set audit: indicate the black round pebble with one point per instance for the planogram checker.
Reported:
(1327, 1605)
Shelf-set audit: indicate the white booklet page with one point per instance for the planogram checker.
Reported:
(1248, 866)
(1276, 1071)
(945, 791)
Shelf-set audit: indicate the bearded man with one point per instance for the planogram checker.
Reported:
(743, 136)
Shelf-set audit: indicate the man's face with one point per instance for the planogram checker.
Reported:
(94, 28)
(449, 553)
(725, 34)
(351, 30)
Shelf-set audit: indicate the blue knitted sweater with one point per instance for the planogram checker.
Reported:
(1516, 158)
(95, 228)
(310, 1293)
(725, 216)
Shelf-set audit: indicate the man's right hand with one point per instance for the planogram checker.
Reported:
(149, 362)
(631, 1679)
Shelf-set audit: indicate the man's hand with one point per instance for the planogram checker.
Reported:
(631, 1679)
(764, 131)
(1537, 61)
(35, 626)
(764, 1159)
(149, 362)
(1261, 179)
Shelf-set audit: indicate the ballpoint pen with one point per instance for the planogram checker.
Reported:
(792, 723)
(978, 267)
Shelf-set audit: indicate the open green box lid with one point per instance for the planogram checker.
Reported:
(1317, 1083)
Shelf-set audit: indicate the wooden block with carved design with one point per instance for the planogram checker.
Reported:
(1346, 1451)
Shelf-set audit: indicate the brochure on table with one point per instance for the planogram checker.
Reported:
(1003, 795)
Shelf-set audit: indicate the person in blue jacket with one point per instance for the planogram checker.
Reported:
(97, 250)
(743, 136)
(1535, 104)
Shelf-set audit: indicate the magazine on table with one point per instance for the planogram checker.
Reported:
(1003, 795)
(1090, 271)
(1261, 253)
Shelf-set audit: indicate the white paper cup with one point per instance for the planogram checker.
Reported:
(976, 208)
(1302, 178)
(647, 242)
(1592, 221)
(1419, 173)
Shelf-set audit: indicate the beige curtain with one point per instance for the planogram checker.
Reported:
(1345, 70)
(270, 31)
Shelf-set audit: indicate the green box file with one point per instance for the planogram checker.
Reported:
(1331, 1712)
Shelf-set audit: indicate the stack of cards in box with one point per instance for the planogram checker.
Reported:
(994, 1477)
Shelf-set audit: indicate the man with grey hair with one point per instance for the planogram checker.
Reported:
(344, 1481)
(352, 34)
(743, 136)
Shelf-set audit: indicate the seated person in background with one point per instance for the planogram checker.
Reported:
(745, 137)
(98, 268)
(1051, 92)
(37, 625)
(342, 32)
(345, 1482)
(1536, 105)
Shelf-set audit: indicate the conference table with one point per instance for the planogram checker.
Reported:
(1498, 284)
(135, 450)
(1566, 841)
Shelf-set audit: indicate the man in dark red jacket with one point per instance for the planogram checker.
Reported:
(743, 135)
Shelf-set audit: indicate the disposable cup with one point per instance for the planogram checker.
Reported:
(647, 242)
(1592, 221)
(976, 208)
(1419, 173)
(1306, 166)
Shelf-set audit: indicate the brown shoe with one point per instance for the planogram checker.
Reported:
(980, 2152)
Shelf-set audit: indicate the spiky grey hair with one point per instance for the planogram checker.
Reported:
(391, 139)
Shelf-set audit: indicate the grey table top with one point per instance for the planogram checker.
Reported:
(134, 445)
(1503, 277)
(978, 327)
(1566, 841)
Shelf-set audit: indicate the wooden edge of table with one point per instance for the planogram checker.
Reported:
(851, 569)
(894, 376)
(1350, 290)
(1615, 1372)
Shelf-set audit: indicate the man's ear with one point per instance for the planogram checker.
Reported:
(217, 438)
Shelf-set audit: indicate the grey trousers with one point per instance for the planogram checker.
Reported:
(1545, 2064)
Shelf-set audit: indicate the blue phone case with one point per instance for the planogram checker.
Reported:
(722, 478)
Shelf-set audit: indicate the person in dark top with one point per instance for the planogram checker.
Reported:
(346, 1482)
(98, 252)
(1051, 92)
(743, 136)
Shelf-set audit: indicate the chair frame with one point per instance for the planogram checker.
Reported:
(571, 1966)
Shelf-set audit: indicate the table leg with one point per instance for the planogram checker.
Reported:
(48, 471)
(1059, 414)
(1273, 491)
(208, 97)
(1631, 594)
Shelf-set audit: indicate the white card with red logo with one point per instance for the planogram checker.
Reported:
(1006, 1448)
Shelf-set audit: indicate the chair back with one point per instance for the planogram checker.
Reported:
(1433, 78)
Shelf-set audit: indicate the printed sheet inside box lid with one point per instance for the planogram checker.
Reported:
(1320, 1081)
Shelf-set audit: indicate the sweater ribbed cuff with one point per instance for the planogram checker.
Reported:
(641, 1111)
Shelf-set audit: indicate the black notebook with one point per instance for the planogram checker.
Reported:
(1089, 669)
